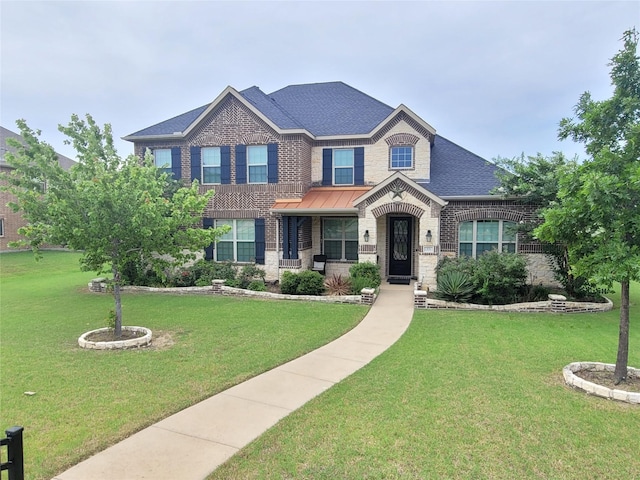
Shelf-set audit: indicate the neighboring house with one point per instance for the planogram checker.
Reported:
(11, 221)
(326, 169)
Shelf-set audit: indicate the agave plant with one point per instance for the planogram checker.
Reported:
(455, 286)
(336, 285)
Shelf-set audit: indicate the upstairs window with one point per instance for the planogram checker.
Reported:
(401, 157)
(343, 166)
(482, 236)
(211, 166)
(257, 163)
(340, 238)
(1, 227)
(162, 159)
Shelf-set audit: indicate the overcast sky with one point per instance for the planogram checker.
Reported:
(493, 77)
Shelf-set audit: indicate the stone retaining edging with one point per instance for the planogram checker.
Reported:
(573, 380)
(555, 304)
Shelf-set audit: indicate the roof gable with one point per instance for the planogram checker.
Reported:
(65, 162)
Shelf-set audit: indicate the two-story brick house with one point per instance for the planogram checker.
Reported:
(11, 221)
(326, 169)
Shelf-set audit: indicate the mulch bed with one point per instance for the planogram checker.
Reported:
(606, 379)
(108, 336)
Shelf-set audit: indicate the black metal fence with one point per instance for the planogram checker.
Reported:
(15, 459)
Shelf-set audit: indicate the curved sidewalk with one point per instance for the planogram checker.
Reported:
(195, 441)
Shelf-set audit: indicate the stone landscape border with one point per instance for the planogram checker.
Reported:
(571, 379)
(117, 344)
(555, 304)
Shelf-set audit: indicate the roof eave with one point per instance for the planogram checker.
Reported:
(315, 211)
(472, 197)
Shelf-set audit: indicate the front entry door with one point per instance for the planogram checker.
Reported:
(400, 251)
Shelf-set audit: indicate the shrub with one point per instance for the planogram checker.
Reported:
(336, 285)
(289, 283)
(365, 270)
(248, 274)
(358, 283)
(306, 282)
(310, 283)
(257, 286)
(500, 277)
(455, 286)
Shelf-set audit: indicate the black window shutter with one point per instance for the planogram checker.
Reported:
(208, 251)
(358, 166)
(327, 164)
(241, 164)
(176, 163)
(225, 165)
(260, 240)
(272, 163)
(195, 164)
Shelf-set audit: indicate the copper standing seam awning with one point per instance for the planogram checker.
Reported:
(321, 201)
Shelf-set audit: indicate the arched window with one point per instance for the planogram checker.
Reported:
(480, 236)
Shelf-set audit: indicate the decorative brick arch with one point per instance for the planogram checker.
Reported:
(489, 214)
(397, 207)
(257, 139)
(208, 139)
(401, 139)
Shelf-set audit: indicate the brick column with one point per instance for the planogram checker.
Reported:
(216, 287)
(366, 296)
(420, 299)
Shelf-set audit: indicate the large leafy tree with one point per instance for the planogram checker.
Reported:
(116, 211)
(535, 181)
(597, 214)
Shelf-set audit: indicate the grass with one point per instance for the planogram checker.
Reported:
(463, 395)
(87, 400)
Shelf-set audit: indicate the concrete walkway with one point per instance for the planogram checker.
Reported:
(194, 442)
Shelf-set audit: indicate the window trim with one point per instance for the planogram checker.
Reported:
(203, 166)
(234, 241)
(343, 240)
(265, 165)
(410, 167)
(474, 242)
(334, 167)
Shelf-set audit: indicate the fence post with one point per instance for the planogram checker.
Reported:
(15, 457)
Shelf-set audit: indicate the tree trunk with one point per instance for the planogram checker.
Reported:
(116, 296)
(623, 336)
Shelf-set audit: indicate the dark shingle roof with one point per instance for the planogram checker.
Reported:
(332, 108)
(458, 172)
(65, 162)
(175, 124)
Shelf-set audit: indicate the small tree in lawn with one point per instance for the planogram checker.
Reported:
(114, 210)
(597, 214)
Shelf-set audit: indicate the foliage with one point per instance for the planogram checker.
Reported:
(306, 282)
(495, 277)
(597, 215)
(257, 286)
(336, 285)
(535, 180)
(500, 277)
(310, 283)
(116, 211)
(455, 286)
(365, 275)
(111, 320)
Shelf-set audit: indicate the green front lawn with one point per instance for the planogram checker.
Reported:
(464, 395)
(87, 400)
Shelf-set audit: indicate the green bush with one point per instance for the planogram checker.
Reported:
(365, 270)
(311, 283)
(496, 278)
(306, 282)
(250, 273)
(289, 283)
(257, 286)
(455, 286)
(358, 283)
(500, 277)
